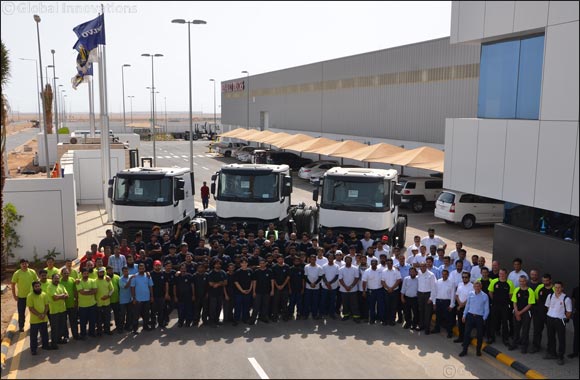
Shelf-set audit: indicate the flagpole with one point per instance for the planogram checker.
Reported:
(91, 106)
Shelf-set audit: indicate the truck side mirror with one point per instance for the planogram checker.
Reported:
(399, 187)
(397, 199)
(287, 189)
(179, 193)
(212, 188)
(315, 195)
(110, 189)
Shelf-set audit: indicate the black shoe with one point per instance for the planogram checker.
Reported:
(356, 320)
(345, 318)
(560, 361)
(463, 353)
(234, 323)
(506, 343)
(489, 340)
(22, 330)
(82, 337)
(418, 328)
(427, 332)
(550, 357)
(436, 331)
(135, 332)
(458, 340)
(573, 355)
(534, 349)
(513, 347)
(399, 320)
(33, 353)
(392, 323)
(406, 326)
(478, 353)
(524, 350)
(449, 335)
(372, 322)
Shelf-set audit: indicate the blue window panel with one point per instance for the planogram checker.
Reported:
(498, 80)
(530, 78)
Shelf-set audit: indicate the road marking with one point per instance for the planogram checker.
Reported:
(200, 155)
(16, 357)
(168, 157)
(195, 163)
(258, 368)
(204, 168)
(185, 159)
(209, 155)
(184, 156)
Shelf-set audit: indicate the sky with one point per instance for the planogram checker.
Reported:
(255, 36)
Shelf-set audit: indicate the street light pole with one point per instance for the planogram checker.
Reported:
(55, 96)
(196, 22)
(37, 86)
(153, 97)
(248, 99)
(37, 20)
(165, 100)
(131, 105)
(214, 113)
(123, 85)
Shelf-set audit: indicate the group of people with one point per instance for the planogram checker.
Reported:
(231, 277)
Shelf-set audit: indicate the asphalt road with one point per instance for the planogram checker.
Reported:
(17, 139)
(295, 349)
(478, 240)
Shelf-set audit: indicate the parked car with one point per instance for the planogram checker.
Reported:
(316, 168)
(314, 178)
(242, 151)
(293, 160)
(420, 191)
(468, 209)
(227, 148)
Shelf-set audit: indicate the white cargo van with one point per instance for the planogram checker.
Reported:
(468, 209)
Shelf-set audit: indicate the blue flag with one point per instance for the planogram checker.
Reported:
(90, 34)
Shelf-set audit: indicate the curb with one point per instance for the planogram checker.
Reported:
(505, 359)
(7, 339)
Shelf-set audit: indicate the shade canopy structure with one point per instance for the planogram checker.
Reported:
(283, 142)
(311, 146)
(259, 136)
(338, 149)
(424, 157)
(373, 152)
(275, 137)
(246, 134)
(144, 124)
(234, 132)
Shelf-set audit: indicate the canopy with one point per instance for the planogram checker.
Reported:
(293, 139)
(373, 152)
(144, 124)
(274, 137)
(424, 157)
(245, 134)
(338, 149)
(259, 136)
(311, 146)
(234, 133)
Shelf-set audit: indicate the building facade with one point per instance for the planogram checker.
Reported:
(523, 145)
(400, 95)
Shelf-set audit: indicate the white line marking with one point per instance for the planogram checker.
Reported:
(185, 159)
(184, 156)
(195, 163)
(209, 155)
(204, 168)
(200, 155)
(168, 157)
(258, 368)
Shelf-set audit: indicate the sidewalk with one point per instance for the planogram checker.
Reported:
(91, 226)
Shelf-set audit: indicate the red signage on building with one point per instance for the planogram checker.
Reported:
(234, 86)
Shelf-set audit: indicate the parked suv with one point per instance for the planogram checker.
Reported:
(293, 160)
(420, 191)
(227, 148)
(468, 209)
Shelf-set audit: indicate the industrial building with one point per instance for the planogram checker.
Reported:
(400, 95)
(523, 146)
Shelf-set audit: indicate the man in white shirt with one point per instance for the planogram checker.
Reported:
(373, 292)
(391, 281)
(459, 302)
(515, 274)
(559, 309)
(320, 259)
(338, 258)
(476, 270)
(383, 248)
(414, 254)
(366, 241)
(444, 294)
(463, 258)
(329, 287)
(416, 244)
(313, 274)
(425, 294)
(455, 253)
(433, 239)
(348, 277)
(455, 276)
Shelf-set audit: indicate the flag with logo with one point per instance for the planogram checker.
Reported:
(90, 35)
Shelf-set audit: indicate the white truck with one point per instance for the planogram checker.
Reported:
(144, 197)
(254, 196)
(361, 199)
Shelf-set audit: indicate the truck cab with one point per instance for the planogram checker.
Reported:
(252, 195)
(362, 200)
(144, 197)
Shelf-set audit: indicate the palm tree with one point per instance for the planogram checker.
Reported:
(4, 110)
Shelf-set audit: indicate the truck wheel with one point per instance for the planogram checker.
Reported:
(299, 221)
(417, 205)
(314, 218)
(309, 222)
(401, 231)
(195, 137)
(228, 153)
(468, 222)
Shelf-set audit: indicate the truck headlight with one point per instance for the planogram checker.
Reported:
(117, 230)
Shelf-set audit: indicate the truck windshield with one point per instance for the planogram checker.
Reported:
(355, 194)
(143, 192)
(248, 188)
